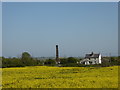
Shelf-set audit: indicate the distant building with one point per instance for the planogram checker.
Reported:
(91, 59)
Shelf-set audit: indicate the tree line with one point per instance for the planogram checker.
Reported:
(24, 60)
(27, 60)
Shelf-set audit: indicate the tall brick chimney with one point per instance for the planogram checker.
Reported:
(57, 55)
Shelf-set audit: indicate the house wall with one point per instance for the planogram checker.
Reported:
(100, 59)
(92, 60)
(87, 61)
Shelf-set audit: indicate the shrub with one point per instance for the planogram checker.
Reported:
(50, 62)
(68, 60)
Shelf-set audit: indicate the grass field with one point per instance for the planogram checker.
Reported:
(60, 77)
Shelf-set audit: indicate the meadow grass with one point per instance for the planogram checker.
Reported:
(60, 77)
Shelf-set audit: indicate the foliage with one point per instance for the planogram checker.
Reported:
(0, 62)
(60, 77)
(25, 60)
(50, 62)
(110, 61)
(11, 62)
(72, 60)
(26, 55)
(68, 60)
(119, 60)
(63, 61)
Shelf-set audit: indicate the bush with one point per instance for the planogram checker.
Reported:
(63, 61)
(50, 62)
(72, 60)
(25, 60)
(68, 60)
(106, 64)
(12, 62)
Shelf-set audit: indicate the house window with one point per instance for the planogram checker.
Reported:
(95, 62)
(90, 62)
(83, 62)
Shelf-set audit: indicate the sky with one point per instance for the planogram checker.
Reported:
(60, 0)
(0, 28)
(78, 28)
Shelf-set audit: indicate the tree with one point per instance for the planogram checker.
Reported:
(72, 60)
(63, 61)
(26, 55)
(68, 60)
(50, 62)
(27, 59)
(118, 60)
(11, 62)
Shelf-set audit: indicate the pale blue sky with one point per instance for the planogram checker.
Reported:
(0, 28)
(78, 28)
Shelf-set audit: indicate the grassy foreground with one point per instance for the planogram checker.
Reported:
(60, 77)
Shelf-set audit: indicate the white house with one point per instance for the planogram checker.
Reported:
(91, 59)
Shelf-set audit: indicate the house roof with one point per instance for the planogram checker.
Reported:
(92, 55)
